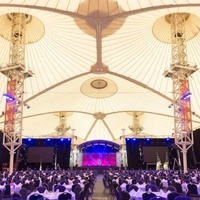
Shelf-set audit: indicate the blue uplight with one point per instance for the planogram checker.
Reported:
(61, 139)
(29, 139)
(48, 139)
(9, 97)
(186, 96)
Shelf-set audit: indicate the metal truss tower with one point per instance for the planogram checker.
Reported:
(180, 72)
(16, 74)
(136, 128)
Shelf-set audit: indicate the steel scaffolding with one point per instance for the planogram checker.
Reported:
(16, 74)
(180, 72)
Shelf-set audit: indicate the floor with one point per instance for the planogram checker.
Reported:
(98, 192)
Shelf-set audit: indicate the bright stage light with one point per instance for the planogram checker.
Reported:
(186, 96)
(8, 97)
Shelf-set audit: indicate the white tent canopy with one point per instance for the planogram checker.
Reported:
(68, 41)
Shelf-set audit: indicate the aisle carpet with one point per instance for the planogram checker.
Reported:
(98, 192)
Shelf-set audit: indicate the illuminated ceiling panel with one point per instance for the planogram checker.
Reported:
(100, 61)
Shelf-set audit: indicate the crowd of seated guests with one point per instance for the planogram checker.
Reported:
(78, 184)
(23, 184)
(138, 183)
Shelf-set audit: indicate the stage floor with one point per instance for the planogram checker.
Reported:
(100, 169)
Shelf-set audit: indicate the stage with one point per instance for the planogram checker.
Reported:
(99, 169)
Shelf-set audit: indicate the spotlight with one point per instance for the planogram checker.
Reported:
(170, 105)
(186, 96)
(9, 97)
(27, 106)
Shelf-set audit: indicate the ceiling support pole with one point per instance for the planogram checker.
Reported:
(180, 72)
(16, 74)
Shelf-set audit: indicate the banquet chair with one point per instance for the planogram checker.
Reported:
(24, 193)
(88, 191)
(182, 197)
(31, 186)
(147, 195)
(133, 187)
(106, 185)
(43, 198)
(171, 188)
(157, 198)
(16, 195)
(125, 195)
(82, 195)
(158, 182)
(77, 191)
(36, 183)
(60, 188)
(41, 189)
(179, 188)
(127, 187)
(112, 192)
(86, 186)
(25, 185)
(119, 192)
(192, 190)
(50, 186)
(7, 192)
(140, 182)
(152, 187)
(54, 187)
(35, 196)
(117, 195)
(65, 196)
(73, 187)
(76, 181)
(172, 195)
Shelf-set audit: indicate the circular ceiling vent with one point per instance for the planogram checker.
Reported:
(99, 88)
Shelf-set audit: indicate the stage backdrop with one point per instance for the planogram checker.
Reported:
(99, 153)
(48, 153)
(99, 159)
(143, 152)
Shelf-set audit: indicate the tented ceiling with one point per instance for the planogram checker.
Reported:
(99, 63)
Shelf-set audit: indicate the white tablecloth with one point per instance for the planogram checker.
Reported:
(138, 195)
(164, 183)
(52, 195)
(140, 186)
(69, 187)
